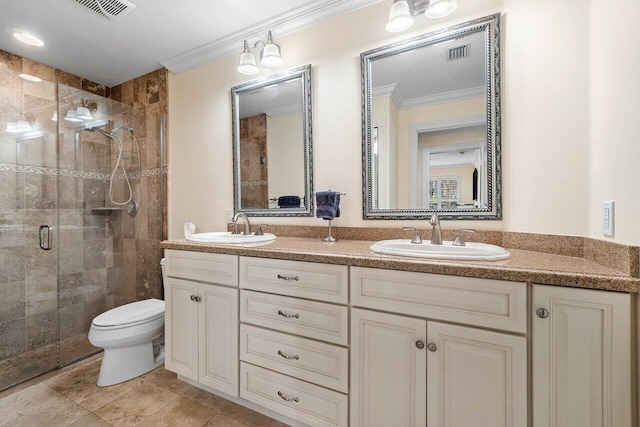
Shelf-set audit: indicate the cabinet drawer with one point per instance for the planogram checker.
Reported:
(201, 266)
(324, 282)
(495, 304)
(311, 319)
(296, 399)
(323, 364)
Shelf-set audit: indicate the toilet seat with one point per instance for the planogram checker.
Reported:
(130, 315)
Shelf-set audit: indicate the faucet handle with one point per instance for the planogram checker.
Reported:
(416, 235)
(235, 227)
(459, 240)
(435, 219)
(259, 231)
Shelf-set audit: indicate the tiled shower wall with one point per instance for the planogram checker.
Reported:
(106, 258)
(253, 169)
(142, 235)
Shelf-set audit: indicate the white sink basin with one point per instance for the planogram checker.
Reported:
(471, 252)
(226, 237)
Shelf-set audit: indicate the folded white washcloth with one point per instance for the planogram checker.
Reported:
(189, 229)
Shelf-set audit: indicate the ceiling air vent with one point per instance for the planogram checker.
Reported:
(458, 52)
(110, 9)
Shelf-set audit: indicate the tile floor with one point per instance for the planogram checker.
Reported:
(70, 397)
(32, 363)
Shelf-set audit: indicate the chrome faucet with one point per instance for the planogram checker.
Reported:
(459, 240)
(416, 235)
(436, 234)
(247, 224)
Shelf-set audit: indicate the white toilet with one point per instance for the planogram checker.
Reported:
(132, 337)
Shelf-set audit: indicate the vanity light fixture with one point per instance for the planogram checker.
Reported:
(18, 127)
(402, 12)
(270, 56)
(27, 38)
(72, 117)
(81, 113)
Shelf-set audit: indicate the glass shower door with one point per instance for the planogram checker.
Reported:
(28, 228)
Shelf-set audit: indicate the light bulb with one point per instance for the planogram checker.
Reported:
(400, 17)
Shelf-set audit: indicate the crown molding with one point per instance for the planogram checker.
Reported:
(390, 90)
(285, 110)
(456, 95)
(310, 13)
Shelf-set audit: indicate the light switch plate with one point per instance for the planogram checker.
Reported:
(608, 216)
(229, 214)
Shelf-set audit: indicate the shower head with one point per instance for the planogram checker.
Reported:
(99, 130)
(127, 128)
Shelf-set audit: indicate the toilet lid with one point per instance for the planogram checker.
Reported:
(131, 313)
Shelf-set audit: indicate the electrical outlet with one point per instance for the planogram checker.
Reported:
(608, 216)
(229, 213)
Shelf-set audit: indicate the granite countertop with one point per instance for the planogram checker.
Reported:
(523, 266)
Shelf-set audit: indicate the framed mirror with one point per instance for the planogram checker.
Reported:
(272, 145)
(431, 125)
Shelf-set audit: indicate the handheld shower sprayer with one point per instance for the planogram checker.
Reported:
(130, 203)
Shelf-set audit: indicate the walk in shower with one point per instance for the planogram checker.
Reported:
(80, 219)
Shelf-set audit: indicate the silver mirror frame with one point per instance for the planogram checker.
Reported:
(490, 25)
(304, 73)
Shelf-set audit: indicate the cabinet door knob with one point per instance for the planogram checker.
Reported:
(542, 313)
(432, 347)
(198, 298)
(420, 344)
(192, 297)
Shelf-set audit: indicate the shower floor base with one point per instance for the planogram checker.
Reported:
(22, 367)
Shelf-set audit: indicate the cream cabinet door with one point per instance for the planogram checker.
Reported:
(581, 358)
(218, 338)
(181, 327)
(388, 370)
(475, 377)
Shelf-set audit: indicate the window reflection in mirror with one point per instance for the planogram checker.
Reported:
(272, 144)
(431, 138)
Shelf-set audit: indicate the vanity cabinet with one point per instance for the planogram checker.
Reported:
(294, 338)
(201, 318)
(332, 345)
(582, 357)
(408, 371)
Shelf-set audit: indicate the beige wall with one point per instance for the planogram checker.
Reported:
(615, 117)
(548, 97)
(384, 110)
(285, 156)
(465, 180)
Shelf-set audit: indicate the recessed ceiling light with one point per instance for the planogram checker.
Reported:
(28, 39)
(30, 78)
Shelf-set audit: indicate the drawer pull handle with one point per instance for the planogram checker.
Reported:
(287, 356)
(281, 277)
(288, 315)
(288, 399)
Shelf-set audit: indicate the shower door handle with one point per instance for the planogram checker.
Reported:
(45, 244)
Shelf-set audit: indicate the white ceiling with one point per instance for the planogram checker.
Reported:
(179, 34)
(423, 75)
